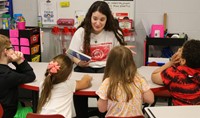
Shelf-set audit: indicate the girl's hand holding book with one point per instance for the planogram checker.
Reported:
(83, 63)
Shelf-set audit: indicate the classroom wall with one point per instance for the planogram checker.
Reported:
(183, 16)
(29, 9)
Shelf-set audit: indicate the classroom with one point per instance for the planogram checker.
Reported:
(156, 29)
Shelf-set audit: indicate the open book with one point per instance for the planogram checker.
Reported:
(78, 55)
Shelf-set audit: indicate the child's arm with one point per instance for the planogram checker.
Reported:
(102, 105)
(148, 97)
(85, 82)
(156, 75)
(79, 62)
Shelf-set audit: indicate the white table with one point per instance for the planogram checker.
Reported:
(40, 68)
(173, 111)
(146, 71)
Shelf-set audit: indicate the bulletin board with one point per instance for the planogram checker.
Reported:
(52, 10)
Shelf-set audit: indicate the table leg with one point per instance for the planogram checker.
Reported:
(35, 96)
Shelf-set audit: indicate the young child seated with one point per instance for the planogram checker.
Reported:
(123, 90)
(181, 75)
(56, 94)
(10, 78)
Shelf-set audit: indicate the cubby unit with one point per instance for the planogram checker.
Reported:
(27, 41)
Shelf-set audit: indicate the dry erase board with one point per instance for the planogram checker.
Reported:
(52, 10)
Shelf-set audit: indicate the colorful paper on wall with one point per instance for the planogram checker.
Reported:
(79, 16)
(49, 12)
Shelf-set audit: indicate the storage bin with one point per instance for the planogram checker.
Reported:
(16, 48)
(24, 41)
(14, 41)
(25, 50)
(35, 49)
(36, 58)
(34, 38)
(29, 32)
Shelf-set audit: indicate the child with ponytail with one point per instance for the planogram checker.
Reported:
(56, 95)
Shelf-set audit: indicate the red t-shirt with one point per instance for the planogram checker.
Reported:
(183, 84)
(100, 52)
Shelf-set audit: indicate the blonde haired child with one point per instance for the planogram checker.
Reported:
(123, 90)
(10, 78)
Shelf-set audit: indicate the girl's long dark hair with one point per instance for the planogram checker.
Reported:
(111, 24)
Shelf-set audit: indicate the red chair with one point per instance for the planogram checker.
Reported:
(161, 94)
(1, 111)
(35, 115)
(140, 116)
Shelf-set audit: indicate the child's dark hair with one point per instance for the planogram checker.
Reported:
(191, 53)
(103, 8)
(51, 79)
(120, 68)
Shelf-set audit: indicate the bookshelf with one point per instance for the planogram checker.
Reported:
(3, 8)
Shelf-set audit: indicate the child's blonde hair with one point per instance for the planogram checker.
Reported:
(65, 68)
(120, 68)
(4, 42)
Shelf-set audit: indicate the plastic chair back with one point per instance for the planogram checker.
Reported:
(1, 111)
(140, 116)
(35, 115)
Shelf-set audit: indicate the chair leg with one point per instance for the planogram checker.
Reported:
(102, 115)
(169, 101)
(144, 105)
(154, 103)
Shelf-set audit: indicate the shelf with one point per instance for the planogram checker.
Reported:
(166, 41)
(2, 12)
(158, 60)
(171, 42)
(3, 8)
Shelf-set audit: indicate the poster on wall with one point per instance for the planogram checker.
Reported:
(48, 12)
(122, 8)
(79, 17)
(52, 11)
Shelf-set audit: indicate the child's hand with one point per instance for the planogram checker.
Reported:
(87, 79)
(17, 57)
(83, 64)
(175, 59)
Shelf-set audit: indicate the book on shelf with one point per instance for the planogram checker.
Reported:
(78, 55)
